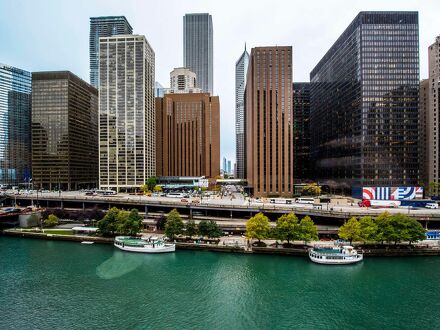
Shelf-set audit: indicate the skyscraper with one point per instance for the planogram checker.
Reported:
(188, 135)
(105, 26)
(127, 136)
(15, 124)
(301, 131)
(64, 131)
(240, 83)
(433, 112)
(269, 121)
(364, 103)
(425, 154)
(198, 53)
(183, 80)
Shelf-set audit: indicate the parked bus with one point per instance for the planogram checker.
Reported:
(175, 195)
(280, 201)
(105, 192)
(305, 200)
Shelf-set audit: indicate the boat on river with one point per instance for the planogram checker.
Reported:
(143, 244)
(335, 256)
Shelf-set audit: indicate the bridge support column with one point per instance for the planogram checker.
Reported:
(190, 213)
(62, 205)
(146, 212)
(84, 206)
(231, 214)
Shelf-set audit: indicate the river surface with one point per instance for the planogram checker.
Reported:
(65, 285)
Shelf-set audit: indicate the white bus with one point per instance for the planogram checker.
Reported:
(105, 192)
(305, 200)
(175, 195)
(280, 201)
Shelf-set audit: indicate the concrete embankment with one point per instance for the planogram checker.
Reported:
(386, 251)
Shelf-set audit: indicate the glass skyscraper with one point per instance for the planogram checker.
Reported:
(364, 103)
(198, 53)
(240, 83)
(105, 26)
(127, 120)
(301, 131)
(15, 125)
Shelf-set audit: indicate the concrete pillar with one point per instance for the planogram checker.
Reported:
(146, 212)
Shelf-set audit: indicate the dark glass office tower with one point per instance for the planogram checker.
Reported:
(64, 131)
(15, 125)
(105, 26)
(301, 131)
(364, 103)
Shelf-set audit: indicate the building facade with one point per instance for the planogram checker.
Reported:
(424, 147)
(269, 122)
(302, 166)
(198, 49)
(188, 135)
(64, 132)
(240, 143)
(127, 134)
(433, 113)
(183, 80)
(105, 26)
(15, 125)
(364, 103)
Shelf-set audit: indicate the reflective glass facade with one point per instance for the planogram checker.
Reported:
(240, 83)
(15, 125)
(301, 131)
(105, 26)
(198, 51)
(364, 103)
(64, 131)
(127, 135)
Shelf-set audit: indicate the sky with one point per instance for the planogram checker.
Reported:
(50, 35)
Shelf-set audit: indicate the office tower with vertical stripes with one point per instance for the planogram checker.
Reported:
(127, 135)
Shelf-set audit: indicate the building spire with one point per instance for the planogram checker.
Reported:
(245, 46)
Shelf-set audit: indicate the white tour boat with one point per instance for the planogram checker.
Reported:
(335, 256)
(144, 244)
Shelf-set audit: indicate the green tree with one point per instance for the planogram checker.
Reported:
(368, 229)
(405, 229)
(157, 188)
(434, 188)
(384, 227)
(151, 182)
(308, 230)
(174, 225)
(210, 229)
(351, 230)
(287, 228)
(416, 232)
(258, 227)
(108, 225)
(191, 228)
(312, 189)
(129, 223)
(51, 221)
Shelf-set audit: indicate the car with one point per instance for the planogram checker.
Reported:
(431, 205)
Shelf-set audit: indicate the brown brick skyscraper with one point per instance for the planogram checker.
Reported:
(269, 118)
(188, 135)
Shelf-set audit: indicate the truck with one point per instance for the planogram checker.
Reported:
(419, 203)
(375, 203)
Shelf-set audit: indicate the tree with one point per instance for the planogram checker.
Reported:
(368, 229)
(405, 229)
(434, 188)
(258, 227)
(308, 230)
(151, 182)
(157, 188)
(287, 228)
(416, 232)
(129, 223)
(312, 189)
(191, 228)
(350, 231)
(144, 188)
(384, 228)
(51, 221)
(174, 225)
(210, 229)
(108, 224)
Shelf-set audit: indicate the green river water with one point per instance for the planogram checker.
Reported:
(65, 285)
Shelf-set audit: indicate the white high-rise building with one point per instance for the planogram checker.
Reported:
(127, 136)
(198, 53)
(433, 113)
(240, 83)
(183, 80)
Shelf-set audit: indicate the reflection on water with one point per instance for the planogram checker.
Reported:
(119, 264)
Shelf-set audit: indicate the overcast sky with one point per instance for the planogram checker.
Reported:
(54, 35)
